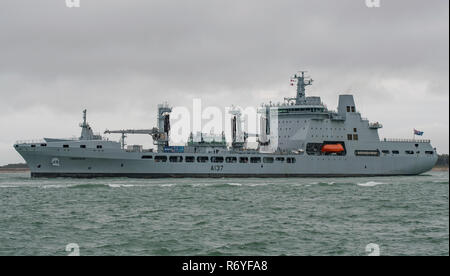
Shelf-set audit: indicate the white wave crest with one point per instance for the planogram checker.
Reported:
(121, 185)
(370, 184)
(234, 184)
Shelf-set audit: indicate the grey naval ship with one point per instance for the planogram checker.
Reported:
(297, 138)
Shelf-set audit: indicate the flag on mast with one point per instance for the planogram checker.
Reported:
(418, 132)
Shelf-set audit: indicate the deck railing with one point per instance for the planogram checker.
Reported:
(33, 141)
(406, 140)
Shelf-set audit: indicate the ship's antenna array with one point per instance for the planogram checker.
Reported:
(302, 82)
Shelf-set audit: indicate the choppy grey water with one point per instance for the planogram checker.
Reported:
(295, 216)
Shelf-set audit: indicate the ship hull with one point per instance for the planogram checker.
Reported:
(84, 163)
(191, 175)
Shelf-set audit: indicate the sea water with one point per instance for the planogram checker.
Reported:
(404, 215)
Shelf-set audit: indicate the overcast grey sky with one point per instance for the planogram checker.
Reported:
(120, 59)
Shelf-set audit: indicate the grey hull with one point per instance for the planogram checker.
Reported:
(89, 163)
(191, 175)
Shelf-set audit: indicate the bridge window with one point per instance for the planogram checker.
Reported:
(429, 152)
(353, 109)
(82, 146)
(348, 108)
(217, 159)
(231, 159)
(202, 159)
(395, 152)
(349, 137)
(33, 146)
(65, 146)
(354, 129)
(268, 159)
(190, 159)
(43, 145)
(176, 159)
(409, 152)
(279, 159)
(385, 151)
(147, 157)
(160, 158)
(355, 137)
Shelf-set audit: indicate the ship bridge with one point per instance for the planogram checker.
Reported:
(302, 121)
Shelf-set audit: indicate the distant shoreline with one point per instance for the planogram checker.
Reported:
(13, 170)
(440, 169)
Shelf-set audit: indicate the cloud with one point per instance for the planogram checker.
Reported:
(121, 58)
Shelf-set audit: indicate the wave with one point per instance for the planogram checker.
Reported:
(370, 184)
(257, 184)
(440, 181)
(9, 186)
(234, 184)
(123, 185)
(167, 185)
(87, 186)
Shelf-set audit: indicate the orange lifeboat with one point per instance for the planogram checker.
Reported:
(332, 148)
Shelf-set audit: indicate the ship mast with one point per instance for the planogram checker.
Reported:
(302, 82)
(86, 131)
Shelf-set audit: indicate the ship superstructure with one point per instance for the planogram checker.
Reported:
(299, 137)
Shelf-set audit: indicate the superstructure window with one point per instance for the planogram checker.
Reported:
(268, 159)
(279, 159)
(348, 108)
(43, 145)
(355, 137)
(349, 137)
(33, 146)
(385, 151)
(255, 159)
(409, 152)
(176, 159)
(429, 152)
(190, 159)
(147, 157)
(291, 160)
(231, 159)
(160, 158)
(202, 159)
(217, 159)
(353, 109)
(354, 129)
(395, 152)
(367, 152)
(65, 146)
(82, 146)
(99, 146)
(243, 159)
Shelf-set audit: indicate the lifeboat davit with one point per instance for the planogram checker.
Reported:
(332, 148)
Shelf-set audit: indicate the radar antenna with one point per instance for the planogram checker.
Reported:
(302, 82)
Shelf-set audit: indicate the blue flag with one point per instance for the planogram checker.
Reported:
(418, 132)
